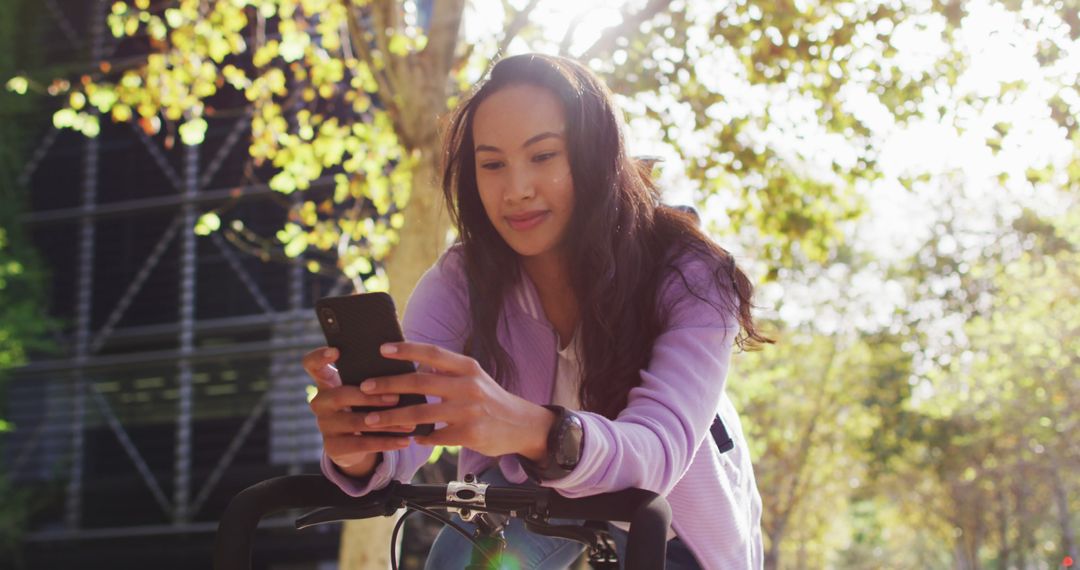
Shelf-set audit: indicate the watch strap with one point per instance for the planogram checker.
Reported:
(564, 443)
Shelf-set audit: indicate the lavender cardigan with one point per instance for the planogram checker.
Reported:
(660, 442)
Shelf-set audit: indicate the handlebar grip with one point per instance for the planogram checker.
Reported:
(648, 513)
(232, 546)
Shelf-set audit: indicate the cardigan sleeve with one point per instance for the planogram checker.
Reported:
(437, 313)
(651, 444)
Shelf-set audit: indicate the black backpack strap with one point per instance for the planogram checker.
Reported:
(720, 435)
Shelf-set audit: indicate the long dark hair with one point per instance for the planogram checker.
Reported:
(622, 234)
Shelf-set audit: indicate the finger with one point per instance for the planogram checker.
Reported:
(347, 450)
(319, 365)
(412, 415)
(451, 435)
(330, 400)
(417, 383)
(352, 423)
(428, 354)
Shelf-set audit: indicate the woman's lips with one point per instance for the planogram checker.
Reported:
(521, 224)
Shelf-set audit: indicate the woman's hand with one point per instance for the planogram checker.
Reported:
(341, 428)
(478, 413)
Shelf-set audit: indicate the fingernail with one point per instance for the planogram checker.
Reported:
(367, 385)
(389, 398)
(388, 349)
(328, 353)
(371, 419)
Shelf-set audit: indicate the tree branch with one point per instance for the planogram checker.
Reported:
(442, 38)
(629, 25)
(360, 43)
(564, 45)
(519, 21)
(384, 21)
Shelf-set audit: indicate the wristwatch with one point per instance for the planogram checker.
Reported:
(564, 443)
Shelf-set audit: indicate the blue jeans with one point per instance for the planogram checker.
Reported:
(528, 551)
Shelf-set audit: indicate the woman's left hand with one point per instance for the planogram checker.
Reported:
(479, 414)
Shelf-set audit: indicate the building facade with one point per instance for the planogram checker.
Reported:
(177, 381)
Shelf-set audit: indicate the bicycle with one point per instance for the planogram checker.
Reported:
(487, 506)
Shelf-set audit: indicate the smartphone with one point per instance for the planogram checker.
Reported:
(357, 325)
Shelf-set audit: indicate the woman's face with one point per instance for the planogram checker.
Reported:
(522, 168)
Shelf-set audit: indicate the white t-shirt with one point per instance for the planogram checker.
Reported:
(567, 383)
(568, 375)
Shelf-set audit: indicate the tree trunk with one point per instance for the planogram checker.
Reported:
(423, 236)
(1061, 498)
(421, 81)
(772, 555)
(365, 544)
(1005, 547)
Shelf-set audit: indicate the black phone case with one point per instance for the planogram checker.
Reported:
(357, 325)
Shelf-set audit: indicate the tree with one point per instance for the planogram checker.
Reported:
(23, 326)
(758, 100)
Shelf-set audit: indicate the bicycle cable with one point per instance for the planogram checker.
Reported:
(393, 538)
(417, 508)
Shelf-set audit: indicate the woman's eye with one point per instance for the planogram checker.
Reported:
(491, 165)
(544, 156)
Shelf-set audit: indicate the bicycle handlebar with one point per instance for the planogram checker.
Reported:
(648, 513)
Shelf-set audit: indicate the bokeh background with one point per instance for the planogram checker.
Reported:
(181, 179)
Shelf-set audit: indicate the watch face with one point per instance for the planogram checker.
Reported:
(570, 435)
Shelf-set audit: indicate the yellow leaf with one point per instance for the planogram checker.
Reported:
(376, 283)
(121, 113)
(399, 45)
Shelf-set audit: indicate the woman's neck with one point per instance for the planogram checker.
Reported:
(551, 275)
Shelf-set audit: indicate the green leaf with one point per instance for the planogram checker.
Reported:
(296, 246)
(18, 84)
(207, 224)
(283, 182)
(293, 45)
(193, 131)
(174, 18)
(363, 265)
(64, 118)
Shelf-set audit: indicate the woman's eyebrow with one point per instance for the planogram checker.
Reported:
(532, 140)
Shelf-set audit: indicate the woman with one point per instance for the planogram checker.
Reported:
(570, 287)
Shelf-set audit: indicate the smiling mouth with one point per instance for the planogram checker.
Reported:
(530, 222)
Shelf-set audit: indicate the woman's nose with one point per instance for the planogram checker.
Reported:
(520, 186)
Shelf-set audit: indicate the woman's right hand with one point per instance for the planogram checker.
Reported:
(342, 429)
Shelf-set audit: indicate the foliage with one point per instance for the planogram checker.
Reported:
(902, 440)
(23, 328)
(337, 85)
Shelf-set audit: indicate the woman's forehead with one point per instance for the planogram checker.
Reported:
(510, 117)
